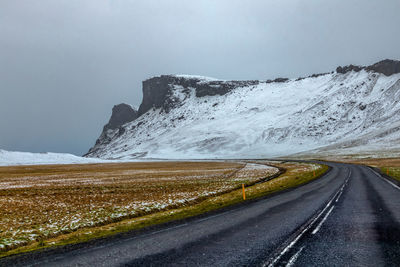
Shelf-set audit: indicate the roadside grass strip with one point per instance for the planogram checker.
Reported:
(387, 166)
(392, 172)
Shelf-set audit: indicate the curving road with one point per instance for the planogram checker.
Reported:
(350, 216)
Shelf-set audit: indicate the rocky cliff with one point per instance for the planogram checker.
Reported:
(158, 91)
(387, 67)
(121, 114)
(185, 116)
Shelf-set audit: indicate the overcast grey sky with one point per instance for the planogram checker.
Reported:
(65, 63)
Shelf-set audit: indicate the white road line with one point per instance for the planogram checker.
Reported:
(291, 244)
(342, 188)
(294, 258)
(337, 199)
(386, 180)
(323, 220)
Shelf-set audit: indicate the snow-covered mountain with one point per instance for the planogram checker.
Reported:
(185, 116)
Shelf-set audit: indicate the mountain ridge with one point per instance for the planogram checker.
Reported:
(167, 94)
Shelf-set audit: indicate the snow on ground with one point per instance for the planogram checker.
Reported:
(65, 204)
(8, 158)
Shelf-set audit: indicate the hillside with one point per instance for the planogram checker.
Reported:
(353, 108)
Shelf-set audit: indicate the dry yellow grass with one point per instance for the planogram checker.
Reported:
(41, 202)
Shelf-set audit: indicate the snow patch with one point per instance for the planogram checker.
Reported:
(8, 158)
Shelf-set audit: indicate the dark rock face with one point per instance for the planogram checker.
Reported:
(278, 80)
(220, 87)
(121, 114)
(348, 68)
(157, 91)
(387, 67)
(316, 75)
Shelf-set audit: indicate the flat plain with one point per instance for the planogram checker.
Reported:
(41, 202)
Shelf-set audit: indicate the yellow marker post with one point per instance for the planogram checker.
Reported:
(244, 193)
(314, 173)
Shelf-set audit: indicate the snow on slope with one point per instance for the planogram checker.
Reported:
(199, 77)
(8, 158)
(267, 119)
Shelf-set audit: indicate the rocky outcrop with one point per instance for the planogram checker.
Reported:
(348, 68)
(278, 80)
(221, 87)
(157, 91)
(121, 114)
(387, 67)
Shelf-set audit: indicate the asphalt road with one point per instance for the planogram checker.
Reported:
(349, 217)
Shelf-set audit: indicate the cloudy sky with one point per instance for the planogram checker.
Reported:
(65, 63)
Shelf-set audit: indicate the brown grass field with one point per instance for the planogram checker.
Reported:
(46, 206)
(39, 202)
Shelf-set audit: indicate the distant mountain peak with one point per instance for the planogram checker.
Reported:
(121, 114)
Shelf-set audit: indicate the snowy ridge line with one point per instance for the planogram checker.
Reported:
(199, 77)
(340, 112)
